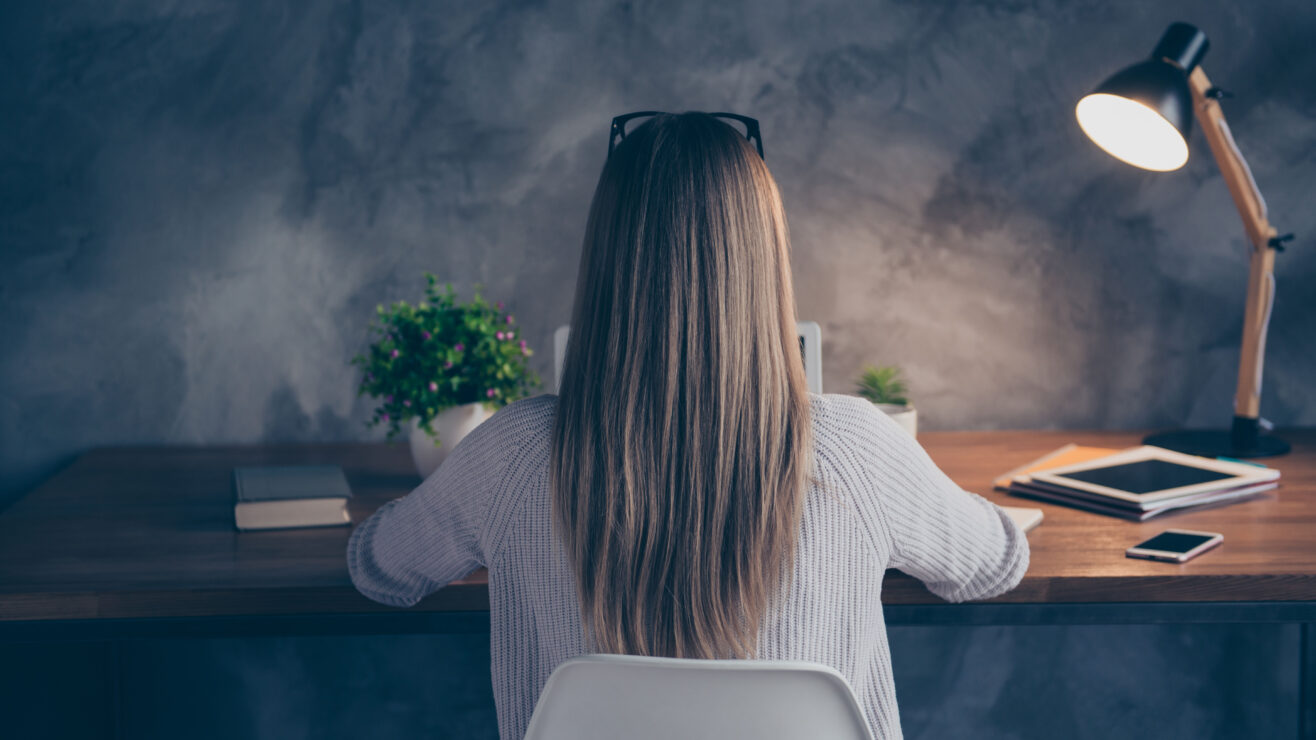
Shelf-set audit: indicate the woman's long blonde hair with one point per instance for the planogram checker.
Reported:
(681, 446)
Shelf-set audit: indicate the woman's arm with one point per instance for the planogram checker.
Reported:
(960, 545)
(417, 544)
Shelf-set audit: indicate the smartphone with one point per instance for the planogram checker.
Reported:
(1175, 545)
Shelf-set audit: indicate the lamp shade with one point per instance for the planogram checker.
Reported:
(1143, 113)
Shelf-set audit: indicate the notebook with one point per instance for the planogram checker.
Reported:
(1026, 518)
(1067, 455)
(1145, 475)
(1142, 482)
(281, 496)
(1137, 514)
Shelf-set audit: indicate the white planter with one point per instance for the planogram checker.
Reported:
(905, 416)
(451, 426)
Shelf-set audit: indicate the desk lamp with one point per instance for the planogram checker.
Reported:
(1142, 116)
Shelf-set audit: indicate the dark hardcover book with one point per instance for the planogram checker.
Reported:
(280, 496)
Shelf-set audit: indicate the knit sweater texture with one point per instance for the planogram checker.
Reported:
(877, 502)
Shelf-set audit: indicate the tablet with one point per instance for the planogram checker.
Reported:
(1144, 474)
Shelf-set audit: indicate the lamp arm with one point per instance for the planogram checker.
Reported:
(1261, 278)
(1238, 177)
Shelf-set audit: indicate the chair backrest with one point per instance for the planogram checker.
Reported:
(605, 697)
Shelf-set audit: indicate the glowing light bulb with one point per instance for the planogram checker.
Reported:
(1132, 132)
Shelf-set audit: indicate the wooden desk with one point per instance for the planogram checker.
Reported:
(140, 541)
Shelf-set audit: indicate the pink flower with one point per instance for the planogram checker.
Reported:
(489, 393)
(395, 353)
(383, 417)
(499, 305)
(509, 318)
(459, 347)
(499, 335)
(447, 364)
(425, 335)
(406, 402)
(435, 386)
(522, 344)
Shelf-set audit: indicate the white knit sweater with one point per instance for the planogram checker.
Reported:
(881, 503)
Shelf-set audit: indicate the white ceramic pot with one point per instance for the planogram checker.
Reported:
(906, 416)
(451, 426)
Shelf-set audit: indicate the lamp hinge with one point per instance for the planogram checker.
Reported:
(1277, 242)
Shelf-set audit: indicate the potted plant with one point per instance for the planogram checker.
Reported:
(441, 367)
(885, 387)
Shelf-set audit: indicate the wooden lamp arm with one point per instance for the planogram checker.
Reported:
(1241, 186)
(1260, 284)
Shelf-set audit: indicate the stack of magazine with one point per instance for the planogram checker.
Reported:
(1137, 483)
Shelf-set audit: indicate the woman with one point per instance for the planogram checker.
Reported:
(685, 495)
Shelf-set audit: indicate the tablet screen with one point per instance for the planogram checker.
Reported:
(1146, 476)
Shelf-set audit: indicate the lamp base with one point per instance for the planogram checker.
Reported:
(1216, 443)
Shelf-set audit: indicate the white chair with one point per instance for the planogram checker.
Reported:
(610, 697)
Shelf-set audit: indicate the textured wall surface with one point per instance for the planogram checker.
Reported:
(201, 203)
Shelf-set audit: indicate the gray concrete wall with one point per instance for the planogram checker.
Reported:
(202, 202)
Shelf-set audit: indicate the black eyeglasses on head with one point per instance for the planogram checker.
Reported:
(750, 127)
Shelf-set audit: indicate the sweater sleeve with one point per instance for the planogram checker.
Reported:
(959, 544)
(419, 543)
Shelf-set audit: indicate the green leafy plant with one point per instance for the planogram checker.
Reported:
(442, 353)
(883, 385)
